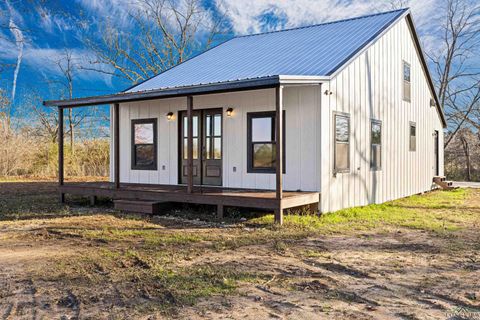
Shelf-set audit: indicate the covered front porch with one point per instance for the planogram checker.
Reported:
(185, 189)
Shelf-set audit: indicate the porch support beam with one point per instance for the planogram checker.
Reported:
(279, 152)
(116, 144)
(190, 143)
(60, 152)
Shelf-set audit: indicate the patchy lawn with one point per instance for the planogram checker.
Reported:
(414, 258)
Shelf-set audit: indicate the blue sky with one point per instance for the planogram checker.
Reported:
(47, 27)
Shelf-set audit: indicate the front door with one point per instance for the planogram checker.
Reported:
(436, 148)
(207, 147)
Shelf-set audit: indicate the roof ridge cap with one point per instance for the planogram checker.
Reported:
(323, 23)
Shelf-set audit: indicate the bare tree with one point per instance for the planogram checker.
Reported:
(466, 150)
(6, 110)
(68, 68)
(398, 4)
(162, 34)
(457, 77)
(19, 40)
(47, 124)
(462, 156)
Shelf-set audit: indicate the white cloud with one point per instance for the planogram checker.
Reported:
(119, 13)
(19, 41)
(47, 59)
(44, 61)
(246, 16)
(46, 19)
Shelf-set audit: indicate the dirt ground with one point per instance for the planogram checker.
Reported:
(78, 262)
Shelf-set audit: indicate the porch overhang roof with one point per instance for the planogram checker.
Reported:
(221, 87)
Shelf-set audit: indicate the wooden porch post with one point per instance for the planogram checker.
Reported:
(60, 153)
(279, 152)
(116, 145)
(190, 143)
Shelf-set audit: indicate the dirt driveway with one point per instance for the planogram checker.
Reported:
(416, 258)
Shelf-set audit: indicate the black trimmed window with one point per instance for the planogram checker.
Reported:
(413, 136)
(376, 145)
(144, 144)
(406, 82)
(261, 142)
(342, 143)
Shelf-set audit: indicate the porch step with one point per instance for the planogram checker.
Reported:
(138, 206)
(443, 183)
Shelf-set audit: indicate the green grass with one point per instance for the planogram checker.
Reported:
(430, 212)
(189, 284)
(148, 237)
(32, 205)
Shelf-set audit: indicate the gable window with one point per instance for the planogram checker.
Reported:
(261, 140)
(342, 143)
(406, 82)
(413, 136)
(376, 145)
(144, 144)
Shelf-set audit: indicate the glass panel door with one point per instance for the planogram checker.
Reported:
(184, 148)
(207, 147)
(212, 147)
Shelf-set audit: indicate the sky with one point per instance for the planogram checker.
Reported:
(35, 34)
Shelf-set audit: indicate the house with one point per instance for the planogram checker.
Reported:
(333, 115)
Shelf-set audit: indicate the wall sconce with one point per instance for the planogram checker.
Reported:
(229, 112)
(169, 116)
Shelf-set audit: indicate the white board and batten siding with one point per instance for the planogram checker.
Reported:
(371, 88)
(368, 88)
(302, 148)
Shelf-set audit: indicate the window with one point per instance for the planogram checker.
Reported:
(262, 142)
(342, 143)
(413, 136)
(195, 137)
(144, 144)
(406, 82)
(213, 136)
(376, 145)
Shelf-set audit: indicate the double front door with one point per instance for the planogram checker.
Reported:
(207, 147)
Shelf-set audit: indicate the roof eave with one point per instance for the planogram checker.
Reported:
(413, 31)
(239, 85)
(302, 79)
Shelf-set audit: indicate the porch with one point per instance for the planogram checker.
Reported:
(217, 196)
(177, 121)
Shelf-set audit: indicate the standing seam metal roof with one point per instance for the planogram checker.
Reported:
(317, 50)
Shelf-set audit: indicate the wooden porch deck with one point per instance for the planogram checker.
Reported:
(261, 199)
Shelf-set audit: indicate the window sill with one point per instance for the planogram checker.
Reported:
(145, 169)
(340, 172)
(267, 171)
